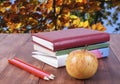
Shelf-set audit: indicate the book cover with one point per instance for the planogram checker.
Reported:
(64, 39)
(41, 49)
(59, 61)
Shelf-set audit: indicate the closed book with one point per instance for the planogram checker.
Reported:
(64, 39)
(60, 61)
(41, 49)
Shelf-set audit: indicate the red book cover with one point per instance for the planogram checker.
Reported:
(63, 39)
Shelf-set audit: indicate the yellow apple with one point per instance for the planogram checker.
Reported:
(81, 64)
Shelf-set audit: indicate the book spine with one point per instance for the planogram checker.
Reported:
(100, 53)
(81, 41)
(89, 47)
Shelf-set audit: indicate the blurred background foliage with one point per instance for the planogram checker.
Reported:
(32, 16)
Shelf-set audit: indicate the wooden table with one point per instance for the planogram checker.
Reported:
(20, 45)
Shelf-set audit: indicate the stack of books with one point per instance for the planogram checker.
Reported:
(54, 47)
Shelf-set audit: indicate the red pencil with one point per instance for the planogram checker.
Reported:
(49, 75)
(21, 64)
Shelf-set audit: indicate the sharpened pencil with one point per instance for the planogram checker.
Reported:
(27, 67)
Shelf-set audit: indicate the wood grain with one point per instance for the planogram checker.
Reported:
(115, 45)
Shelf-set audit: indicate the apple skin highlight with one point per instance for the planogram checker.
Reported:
(81, 64)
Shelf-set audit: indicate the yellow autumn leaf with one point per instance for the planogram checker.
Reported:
(67, 24)
(81, 24)
(58, 22)
(50, 8)
(65, 18)
(18, 25)
(103, 29)
(100, 27)
(76, 22)
(14, 25)
(94, 27)
(86, 24)
(50, 26)
(2, 9)
(10, 29)
(79, 0)
(67, 1)
(11, 25)
(73, 17)
(68, 14)
(82, 1)
(7, 8)
(57, 10)
(32, 21)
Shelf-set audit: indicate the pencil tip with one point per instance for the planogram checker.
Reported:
(46, 78)
(52, 75)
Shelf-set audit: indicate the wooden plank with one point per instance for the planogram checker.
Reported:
(9, 46)
(115, 44)
(2, 37)
(12, 42)
(113, 65)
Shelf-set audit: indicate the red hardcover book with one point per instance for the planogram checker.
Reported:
(63, 39)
